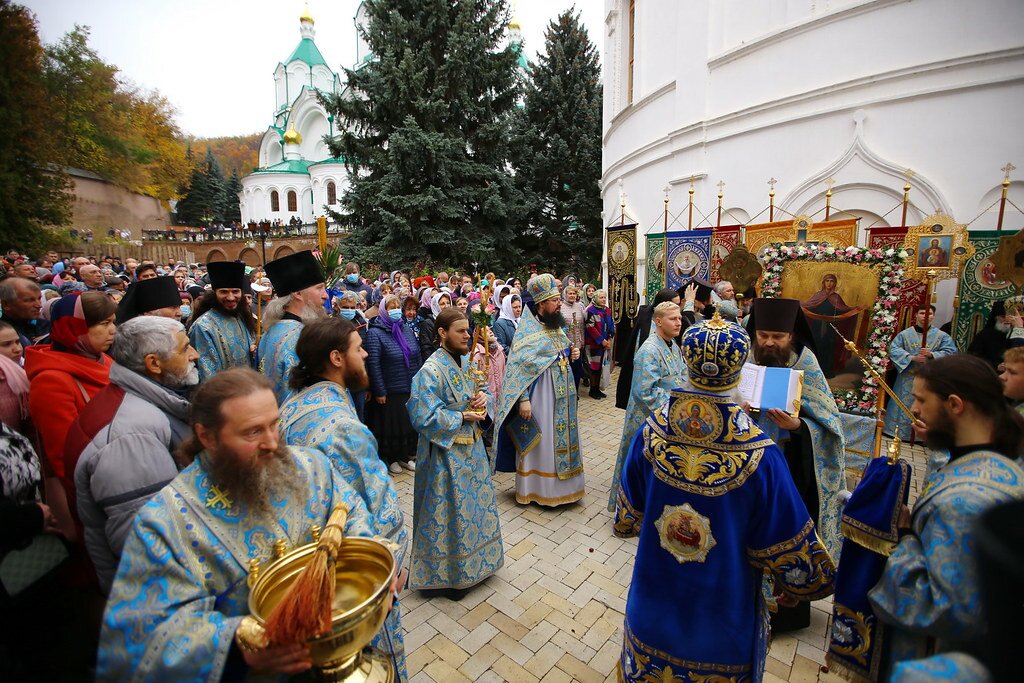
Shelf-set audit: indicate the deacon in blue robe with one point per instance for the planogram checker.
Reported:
(698, 498)
(904, 351)
(181, 591)
(930, 590)
(456, 536)
(658, 368)
(277, 353)
(222, 342)
(322, 416)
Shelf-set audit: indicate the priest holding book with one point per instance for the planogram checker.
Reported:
(813, 443)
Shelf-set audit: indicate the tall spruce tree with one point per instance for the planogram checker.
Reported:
(558, 152)
(425, 134)
(232, 205)
(204, 200)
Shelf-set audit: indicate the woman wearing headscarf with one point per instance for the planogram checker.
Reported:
(600, 331)
(65, 374)
(575, 314)
(428, 344)
(508, 321)
(393, 358)
(411, 313)
(586, 294)
(500, 292)
(13, 381)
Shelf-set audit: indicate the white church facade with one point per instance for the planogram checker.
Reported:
(297, 176)
(804, 91)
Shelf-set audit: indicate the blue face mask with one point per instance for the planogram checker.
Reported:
(348, 313)
(352, 278)
(186, 311)
(395, 314)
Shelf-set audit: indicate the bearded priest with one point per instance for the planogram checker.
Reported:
(224, 333)
(814, 444)
(180, 592)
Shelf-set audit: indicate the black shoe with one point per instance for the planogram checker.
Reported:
(601, 394)
(594, 393)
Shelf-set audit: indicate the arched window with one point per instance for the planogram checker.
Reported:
(275, 201)
(332, 194)
(293, 201)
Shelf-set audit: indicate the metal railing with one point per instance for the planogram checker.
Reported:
(241, 232)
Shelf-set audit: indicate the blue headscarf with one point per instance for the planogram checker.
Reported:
(395, 326)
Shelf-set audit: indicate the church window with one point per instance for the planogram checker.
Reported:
(631, 37)
(332, 194)
(275, 201)
(293, 201)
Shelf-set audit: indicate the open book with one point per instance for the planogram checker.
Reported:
(765, 388)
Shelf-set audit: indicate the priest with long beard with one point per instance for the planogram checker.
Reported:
(180, 593)
(813, 444)
(223, 331)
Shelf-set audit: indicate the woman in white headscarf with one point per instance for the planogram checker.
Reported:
(508, 321)
(500, 292)
(428, 344)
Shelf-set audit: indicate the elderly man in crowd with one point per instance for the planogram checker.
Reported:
(92, 277)
(22, 304)
(121, 447)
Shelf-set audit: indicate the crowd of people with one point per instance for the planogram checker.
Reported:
(165, 425)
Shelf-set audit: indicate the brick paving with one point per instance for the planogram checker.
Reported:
(554, 612)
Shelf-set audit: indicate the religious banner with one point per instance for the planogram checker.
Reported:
(980, 287)
(723, 240)
(912, 290)
(654, 274)
(801, 230)
(689, 256)
(622, 295)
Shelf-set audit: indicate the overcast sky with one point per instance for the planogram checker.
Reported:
(214, 59)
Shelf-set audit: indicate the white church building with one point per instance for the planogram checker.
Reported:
(804, 91)
(297, 176)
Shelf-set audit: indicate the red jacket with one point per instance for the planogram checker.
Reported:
(54, 396)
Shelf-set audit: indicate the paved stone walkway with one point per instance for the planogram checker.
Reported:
(554, 612)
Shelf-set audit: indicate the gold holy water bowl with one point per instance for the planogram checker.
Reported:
(364, 571)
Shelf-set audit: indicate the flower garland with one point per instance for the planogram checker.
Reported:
(883, 314)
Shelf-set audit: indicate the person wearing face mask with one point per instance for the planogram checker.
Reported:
(428, 342)
(1001, 332)
(909, 356)
(352, 281)
(393, 358)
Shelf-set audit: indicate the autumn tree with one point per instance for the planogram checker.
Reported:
(33, 191)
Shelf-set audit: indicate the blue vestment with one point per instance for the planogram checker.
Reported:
(930, 589)
(456, 537)
(222, 342)
(820, 417)
(277, 355)
(322, 417)
(181, 591)
(658, 368)
(902, 350)
(700, 499)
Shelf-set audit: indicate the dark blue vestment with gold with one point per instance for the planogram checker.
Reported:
(715, 507)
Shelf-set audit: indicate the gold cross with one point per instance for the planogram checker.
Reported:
(830, 182)
(563, 362)
(771, 183)
(218, 498)
(1008, 169)
(908, 174)
(721, 187)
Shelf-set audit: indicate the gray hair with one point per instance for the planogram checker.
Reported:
(720, 287)
(274, 310)
(9, 288)
(141, 336)
(349, 295)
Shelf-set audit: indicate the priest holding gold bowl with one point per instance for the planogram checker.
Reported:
(179, 603)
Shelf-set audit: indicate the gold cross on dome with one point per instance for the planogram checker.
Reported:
(1008, 169)
(830, 182)
(721, 187)
(771, 183)
(218, 498)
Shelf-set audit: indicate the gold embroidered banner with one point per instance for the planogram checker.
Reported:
(801, 230)
(622, 295)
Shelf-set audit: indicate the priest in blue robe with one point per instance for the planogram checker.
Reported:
(456, 533)
(813, 443)
(715, 510)
(908, 356)
(930, 593)
(225, 331)
(658, 368)
(538, 434)
(321, 415)
(299, 283)
(180, 592)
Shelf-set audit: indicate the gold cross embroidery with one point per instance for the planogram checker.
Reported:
(218, 498)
